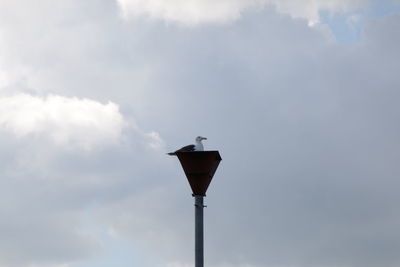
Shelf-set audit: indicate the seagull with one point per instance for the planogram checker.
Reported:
(191, 148)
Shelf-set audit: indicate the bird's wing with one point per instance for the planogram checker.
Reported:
(188, 148)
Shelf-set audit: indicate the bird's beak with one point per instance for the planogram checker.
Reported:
(204, 138)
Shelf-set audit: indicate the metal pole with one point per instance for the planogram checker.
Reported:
(199, 231)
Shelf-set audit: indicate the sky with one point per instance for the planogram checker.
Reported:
(299, 97)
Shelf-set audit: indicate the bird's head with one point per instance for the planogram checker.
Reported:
(200, 138)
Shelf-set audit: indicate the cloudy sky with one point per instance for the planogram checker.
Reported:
(300, 97)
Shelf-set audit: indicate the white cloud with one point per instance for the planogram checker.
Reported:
(187, 11)
(309, 9)
(192, 12)
(155, 140)
(4, 80)
(66, 121)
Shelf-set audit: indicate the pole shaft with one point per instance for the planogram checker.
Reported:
(199, 231)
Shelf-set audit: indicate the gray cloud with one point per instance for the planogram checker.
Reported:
(306, 128)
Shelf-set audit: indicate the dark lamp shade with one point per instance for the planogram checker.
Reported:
(199, 168)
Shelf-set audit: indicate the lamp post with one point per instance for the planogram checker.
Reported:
(199, 168)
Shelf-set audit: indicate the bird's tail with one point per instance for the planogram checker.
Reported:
(171, 153)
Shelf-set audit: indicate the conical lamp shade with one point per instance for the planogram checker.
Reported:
(199, 168)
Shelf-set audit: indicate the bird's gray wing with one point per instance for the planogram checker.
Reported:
(188, 148)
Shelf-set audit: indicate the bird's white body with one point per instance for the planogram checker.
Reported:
(199, 145)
